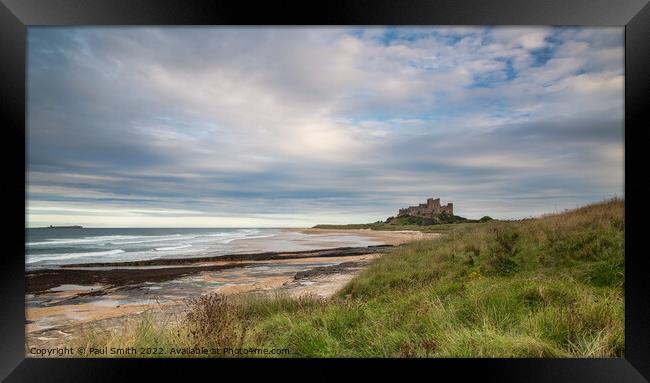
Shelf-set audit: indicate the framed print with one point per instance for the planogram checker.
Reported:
(457, 183)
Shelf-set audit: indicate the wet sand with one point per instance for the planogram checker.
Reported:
(53, 315)
(61, 301)
(394, 238)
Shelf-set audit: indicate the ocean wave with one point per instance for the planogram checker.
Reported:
(172, 247)
(247, 237)
(84, 240)
(65, 256)
(160, 238)
(241, 232)
(102, 248)
(138, 239)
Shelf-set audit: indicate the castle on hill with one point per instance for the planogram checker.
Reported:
(432, 207)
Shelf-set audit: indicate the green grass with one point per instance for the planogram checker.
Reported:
(428, 224)
(437, 228)
(545, 287)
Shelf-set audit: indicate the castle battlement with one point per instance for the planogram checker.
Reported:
(431, 207)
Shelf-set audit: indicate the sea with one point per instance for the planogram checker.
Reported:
(47, 247)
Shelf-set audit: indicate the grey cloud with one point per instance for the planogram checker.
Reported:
(291, 121)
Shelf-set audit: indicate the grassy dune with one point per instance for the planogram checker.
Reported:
(381, 226)
(545, 287)
(433, 224)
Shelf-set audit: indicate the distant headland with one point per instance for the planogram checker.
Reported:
(64, 227)
(431, 216)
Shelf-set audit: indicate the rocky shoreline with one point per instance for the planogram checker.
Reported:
(119, 274)
(265, 256)
(63, 300)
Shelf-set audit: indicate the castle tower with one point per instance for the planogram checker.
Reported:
(431, 207)
(450, 208)
(433, 203)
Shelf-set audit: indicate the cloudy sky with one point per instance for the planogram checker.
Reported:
(241, 127)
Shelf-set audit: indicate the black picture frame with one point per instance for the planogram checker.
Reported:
(17, 15)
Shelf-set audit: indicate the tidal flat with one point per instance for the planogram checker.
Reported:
(64, 300)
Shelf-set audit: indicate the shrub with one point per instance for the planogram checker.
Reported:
(213, 318)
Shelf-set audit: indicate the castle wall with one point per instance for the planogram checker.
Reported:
(432, 207)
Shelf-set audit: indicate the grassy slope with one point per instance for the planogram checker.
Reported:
(435, 224)
(551, 286)
(439, 228)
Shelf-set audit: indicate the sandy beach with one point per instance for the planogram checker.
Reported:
(396, 237)
(61, 301)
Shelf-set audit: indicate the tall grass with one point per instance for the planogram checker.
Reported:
(545, 287)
